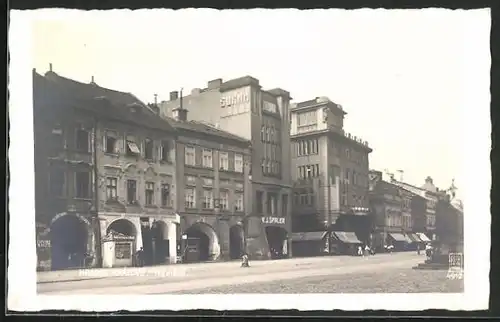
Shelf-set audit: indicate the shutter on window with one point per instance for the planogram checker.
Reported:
(104, 143)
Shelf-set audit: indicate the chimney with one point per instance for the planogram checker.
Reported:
(156, 99)
(216, 83)
(50, 67)
(180, 113)
(174, 95)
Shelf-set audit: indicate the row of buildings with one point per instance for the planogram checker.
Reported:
(227, 169)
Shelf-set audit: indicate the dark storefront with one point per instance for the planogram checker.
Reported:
(310, 244)
(344, 243)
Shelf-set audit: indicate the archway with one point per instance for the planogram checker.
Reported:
(122, 226)
(160, 242)
(68, 240)
(277, 239)
(202, 243)
(236, 242)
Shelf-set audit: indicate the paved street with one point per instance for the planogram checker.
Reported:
(379, 273)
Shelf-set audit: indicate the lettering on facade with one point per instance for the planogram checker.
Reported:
(43, 243)
(273, 220)
(237, 101)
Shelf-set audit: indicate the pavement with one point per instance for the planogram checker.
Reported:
(190, 277)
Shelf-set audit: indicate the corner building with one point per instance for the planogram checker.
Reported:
(241, 107)
(330, 175)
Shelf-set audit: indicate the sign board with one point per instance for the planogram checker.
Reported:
(269, 107)
(184, 237)
(273, 220)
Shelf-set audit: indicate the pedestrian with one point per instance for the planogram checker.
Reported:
(428, 251)
(418, 249)
(360, 251)
(140, 257)
(244, 260)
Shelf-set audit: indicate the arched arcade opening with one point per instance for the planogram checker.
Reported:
(201, 243)
(236, 242)
(69, 237)
(277, 239)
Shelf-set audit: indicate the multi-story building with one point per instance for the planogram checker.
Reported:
(110, 164)
(432, 195)
(396, 214)
(212, 171)
(329, 170)
(241, 107)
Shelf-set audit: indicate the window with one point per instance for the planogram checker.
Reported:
(224, 200)
(272, 203)
(164, 151)
(148, 149)
(132, 149)
(111, 188)
(131, 191)
(259, 195)
(262, 133)
(190, 198)
(207, 158)
(348, 154)
(207, 199)
(150, 193)
(57, 181)
(189, 155)
(82, 140)
(238, 206)
(224, 161)
(165, 195)
(208, 182)
(110, 143)
(307, 118)
(82, 180)
(238, 163)
(57, 136)
(284, 205)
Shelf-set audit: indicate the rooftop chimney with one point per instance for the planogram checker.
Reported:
(156, 99)
(174, 95)
(180, 113)
(216, 83)
(50, 67)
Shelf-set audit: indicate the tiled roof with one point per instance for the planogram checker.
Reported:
(103, 102)
(202, 128)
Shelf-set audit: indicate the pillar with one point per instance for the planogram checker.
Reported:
(172, 242)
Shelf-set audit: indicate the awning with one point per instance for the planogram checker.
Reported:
(423, 237)
(347, 237)
(414, 238)
(309, 236)
(398, 237)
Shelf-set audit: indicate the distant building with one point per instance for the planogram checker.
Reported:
(241, 107)
(330, 172)
(104, 163)
(213, 172)
(398, 215)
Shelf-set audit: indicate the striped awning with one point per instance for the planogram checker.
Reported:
(423, 237)
(347, 237)
(309, 236)
(414, 238)
(398, 237)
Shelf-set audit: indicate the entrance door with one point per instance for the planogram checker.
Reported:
(69, 237)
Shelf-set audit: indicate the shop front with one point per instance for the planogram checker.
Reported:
(398, 240)
(344, 243)
(277, 235)
(310, 244)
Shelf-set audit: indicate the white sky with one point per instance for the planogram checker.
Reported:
(398, 74)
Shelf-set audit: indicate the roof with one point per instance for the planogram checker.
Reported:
(384, 186)
(203, 128)
(103, 102)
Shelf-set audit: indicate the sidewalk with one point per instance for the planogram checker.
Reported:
(182, 270)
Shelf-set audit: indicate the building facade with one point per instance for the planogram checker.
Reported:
(330, 171)
(397, 215)
(110, 174)
(212, 171)
(241, 107)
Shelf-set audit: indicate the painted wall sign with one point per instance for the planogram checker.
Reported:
(269, 107)
(273, 220)
(236, 101)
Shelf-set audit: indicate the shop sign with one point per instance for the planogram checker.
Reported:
(273, 220)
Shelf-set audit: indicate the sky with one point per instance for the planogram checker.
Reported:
(398, 74)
